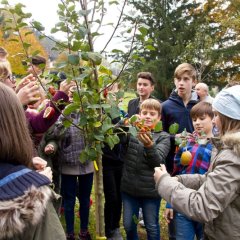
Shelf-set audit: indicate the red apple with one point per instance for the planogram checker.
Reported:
(49, 113)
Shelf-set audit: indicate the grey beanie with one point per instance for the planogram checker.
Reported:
(227, 102)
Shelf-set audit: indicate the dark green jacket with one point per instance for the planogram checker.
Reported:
(139, 164)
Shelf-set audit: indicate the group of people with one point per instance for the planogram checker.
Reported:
(199, 179)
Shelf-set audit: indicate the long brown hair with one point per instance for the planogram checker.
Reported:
(15, 141)
(228, 124)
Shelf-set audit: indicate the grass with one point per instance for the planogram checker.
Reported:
(92, 228)
(141, 231)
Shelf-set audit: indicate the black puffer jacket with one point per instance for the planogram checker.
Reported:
(139, 164)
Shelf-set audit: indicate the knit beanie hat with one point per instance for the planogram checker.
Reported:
(227, 102)
(16, 179)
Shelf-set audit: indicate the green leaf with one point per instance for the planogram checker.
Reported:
(99, 137)
(26, 45)
(143, 31)
(150, 47)
(133, 131)
(73, 59)
(83, 120)
(158, 127)
(112, 140)
(97, 124)
(28, 33)
(95, 106)
(38, 26)
(83, 156)
(67, 123)
(35, 53)
(173, 129)
(114, 112)
(106, 127)
(103, 69)
(133, 119)
(95, 57)
(70, 108)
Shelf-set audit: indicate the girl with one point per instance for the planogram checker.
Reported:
(212, 198)
(26, 208)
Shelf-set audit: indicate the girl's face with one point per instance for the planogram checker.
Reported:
(216, 120)
(150, 116)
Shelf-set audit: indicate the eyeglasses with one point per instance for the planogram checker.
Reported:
(11, 78)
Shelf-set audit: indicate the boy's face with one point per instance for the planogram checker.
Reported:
(203, 124)
(150, 116)
(184, 84)
(144, 87)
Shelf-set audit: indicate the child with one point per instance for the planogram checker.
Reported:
(199, 147)
(70, 144)
(176, 109)
(26, 208)
(137, 184)
(212, 198)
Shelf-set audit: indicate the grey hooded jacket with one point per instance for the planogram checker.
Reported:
(213, 198)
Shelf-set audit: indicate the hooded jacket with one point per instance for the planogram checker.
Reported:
(213, 198)
(139, 163)
(26, 208)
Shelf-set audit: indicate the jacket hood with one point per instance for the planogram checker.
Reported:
(175, 97)
(24, 211)
(229, 140)
(232, 140)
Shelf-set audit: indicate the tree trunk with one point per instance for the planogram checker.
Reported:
(99, 200)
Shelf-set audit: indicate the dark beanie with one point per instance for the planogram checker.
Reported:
(16, 179)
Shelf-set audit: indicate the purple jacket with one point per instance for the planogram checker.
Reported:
(38, 124)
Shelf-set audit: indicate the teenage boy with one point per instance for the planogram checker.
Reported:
(145, 86)
(177, 110)
(137, 184)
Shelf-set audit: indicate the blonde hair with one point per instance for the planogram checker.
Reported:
(5, 70)
(151, 103)
(15, 142)
(185, 68)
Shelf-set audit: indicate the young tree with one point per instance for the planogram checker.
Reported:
(77, 21)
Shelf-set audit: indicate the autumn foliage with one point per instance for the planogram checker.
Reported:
(16, 51)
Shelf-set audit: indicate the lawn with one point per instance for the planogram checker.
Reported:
(141, 231)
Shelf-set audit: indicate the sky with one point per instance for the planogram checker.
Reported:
(45, 11)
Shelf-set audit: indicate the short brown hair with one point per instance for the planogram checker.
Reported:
(185, 68)
(146, 75)
(151, 103)
(202, 108)
(37, 60)
(15, 142)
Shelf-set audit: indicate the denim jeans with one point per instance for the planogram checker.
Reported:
(150, 208)
(69, 183)
(187, 228)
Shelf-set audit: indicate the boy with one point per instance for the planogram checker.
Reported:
(137, 184)
(145, 86)
(177, 110)
(200, 149)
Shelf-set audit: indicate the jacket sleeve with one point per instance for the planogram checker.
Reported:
(220, 188)
(157, 154)
(193, 181)
(41, 125)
